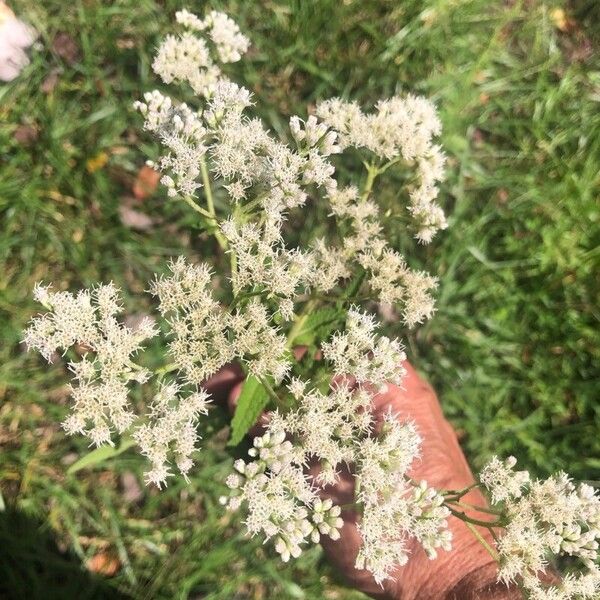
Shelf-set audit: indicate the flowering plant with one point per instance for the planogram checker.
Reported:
(248, 188)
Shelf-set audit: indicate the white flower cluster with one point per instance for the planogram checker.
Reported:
(223, 31)
(363, 355)
(502, 481)
(206, 337)
(388, 274)
(187, 58)
(400, 128)
(268, 182)
(395, 509)
(263, 174)
(343, 416)
(88, 319)
(262, 259)
(546, 518)
(278, 494)
(244, 154)
(181, 131)
(280, 502)
(171, 429)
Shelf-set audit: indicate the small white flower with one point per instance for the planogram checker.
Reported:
(100, 396)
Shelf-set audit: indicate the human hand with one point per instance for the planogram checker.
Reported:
(443, 466)
(468, 571)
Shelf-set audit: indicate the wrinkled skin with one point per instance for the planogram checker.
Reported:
(442, 465)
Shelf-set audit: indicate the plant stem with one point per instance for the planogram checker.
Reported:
(464, 517)
(458, 494)
(300, 320)
(387, 165)
(372, 172)
(198, 208)
(161, 371)
(482, 541)
(494, 535)
(482, 509)
(210, 205)
(272, 393)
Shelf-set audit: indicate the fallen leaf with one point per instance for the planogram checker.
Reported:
(125, 43)
(132, 492)
(97, 162)
(66, 47)
(47, 86)
(26, 134)
(104, 563)
(146, 182)
(135, 219)
(562, 21)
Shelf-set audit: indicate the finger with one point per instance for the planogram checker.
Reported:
(442, 462)
(342, 554)
(221, 383)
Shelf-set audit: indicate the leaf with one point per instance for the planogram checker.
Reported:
(146, 182)
(134, 219)
(104, 563)
(253, 399)
(26, 135)
(97, 162)
(354, 285)
(318, 325)
(99, 455)
(66, 47)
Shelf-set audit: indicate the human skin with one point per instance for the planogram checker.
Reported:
(467, 571)
(442, 465)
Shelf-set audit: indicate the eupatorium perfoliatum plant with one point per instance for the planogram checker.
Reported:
(273, 298)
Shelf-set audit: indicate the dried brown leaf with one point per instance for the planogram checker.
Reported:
(66, 47)
(105, 564)
(134, 219)
(146, 182)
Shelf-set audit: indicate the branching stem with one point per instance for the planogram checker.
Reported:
(464, 517)
(210, 205)
(300, 320)
(483, 541)
(372, 172)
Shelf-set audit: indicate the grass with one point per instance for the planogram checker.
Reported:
(513, 350)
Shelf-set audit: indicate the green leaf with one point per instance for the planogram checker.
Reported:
(354, 285)
(253, 399)
(318, 325)
(99, 455)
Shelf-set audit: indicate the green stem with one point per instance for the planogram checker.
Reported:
(494, 535)
(463, 517)
(198, 208)
(387, 165)
(452, 495)
(240, 297)
(246, 209)
(482, 509)
(483, 541)
(300, 320)
(372, 172)
(161, 371)
(233, 256)
(210, 205)
(272, 393)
